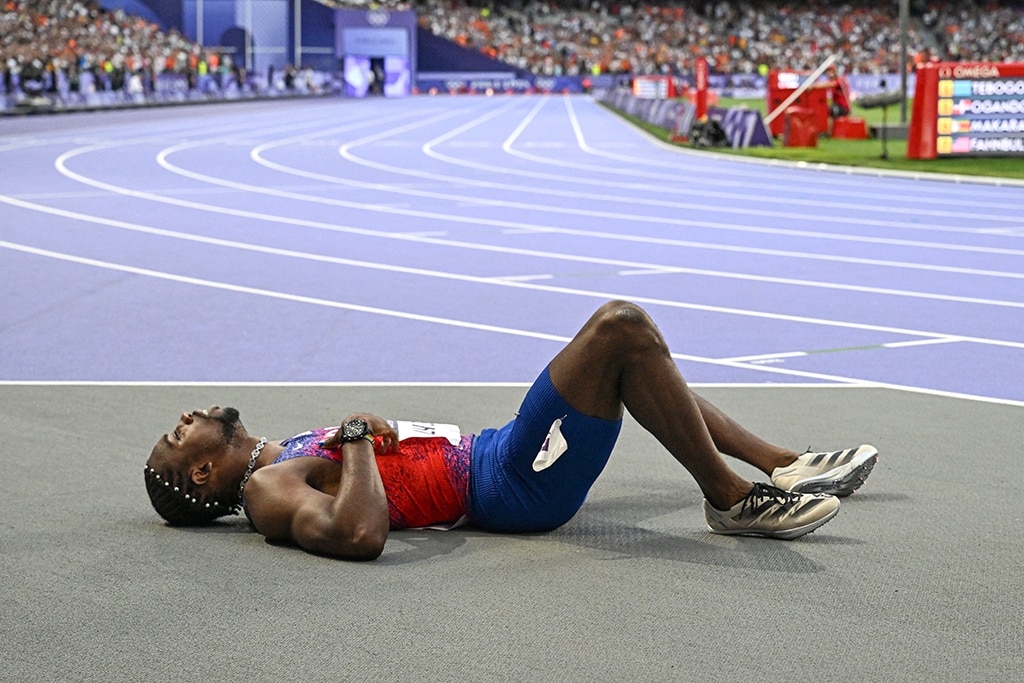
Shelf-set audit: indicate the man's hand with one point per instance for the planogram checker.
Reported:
(351, 523)
(378, 425)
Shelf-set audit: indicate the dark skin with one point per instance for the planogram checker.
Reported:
(327, 509)
(618, 361)
(324, 508)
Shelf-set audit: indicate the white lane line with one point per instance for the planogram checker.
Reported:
(746, 386)
(668, 270)
(296, 298)
(434, 178)
(605, 195)
(643, 201)
(522, 278)
(320, 384)
(975, 301)
(763, 357)
(768, 356)
(124, 225)
(920, 342)
(562, 339)
(258, 152)
(628, 265)
(772, 193)
(317, 301)
(61, 165)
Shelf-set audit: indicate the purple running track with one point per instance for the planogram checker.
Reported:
(466, 239)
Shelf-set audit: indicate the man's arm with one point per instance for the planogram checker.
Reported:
(353, 524)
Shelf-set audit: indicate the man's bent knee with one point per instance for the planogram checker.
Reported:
(627, 325)
(619, 310)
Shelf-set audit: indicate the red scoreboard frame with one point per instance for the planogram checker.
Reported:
(967, 109)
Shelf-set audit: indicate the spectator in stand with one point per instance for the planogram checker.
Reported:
(549, 37)
(584, 36)
(71, 37)
(737, 37)
(978, 32)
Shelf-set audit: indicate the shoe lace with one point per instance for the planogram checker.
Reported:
(763, 493)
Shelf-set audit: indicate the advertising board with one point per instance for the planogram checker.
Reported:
(967, 109)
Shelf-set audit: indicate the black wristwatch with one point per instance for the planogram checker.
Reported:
(353, 430)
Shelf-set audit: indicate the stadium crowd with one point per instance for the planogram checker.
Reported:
(977, 32)
(736, 36)
(41, 39)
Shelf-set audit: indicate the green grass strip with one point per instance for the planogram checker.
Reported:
(859, 153)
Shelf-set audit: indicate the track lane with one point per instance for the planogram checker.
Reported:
(705, 276)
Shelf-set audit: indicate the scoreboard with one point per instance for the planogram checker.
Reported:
(967, 109)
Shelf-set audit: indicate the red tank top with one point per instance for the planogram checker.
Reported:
(426, 482)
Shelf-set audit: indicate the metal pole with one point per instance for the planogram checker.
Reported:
(799, 91)
(297, 59)
(904, 20)
(248, 35)
(199, 22)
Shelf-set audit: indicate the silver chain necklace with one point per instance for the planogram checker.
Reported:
(248, 471)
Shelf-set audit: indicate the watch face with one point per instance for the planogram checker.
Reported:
(355, 429)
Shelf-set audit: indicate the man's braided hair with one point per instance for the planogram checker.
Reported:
(179, 504)
(174, 496)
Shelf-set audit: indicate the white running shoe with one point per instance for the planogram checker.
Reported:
(773, 513)
(839, 473)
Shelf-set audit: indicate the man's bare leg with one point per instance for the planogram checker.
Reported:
(620, 359)
(732, 439)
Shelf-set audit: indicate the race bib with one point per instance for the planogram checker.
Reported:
(426, 430)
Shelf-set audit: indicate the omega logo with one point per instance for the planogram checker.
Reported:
(969, 71)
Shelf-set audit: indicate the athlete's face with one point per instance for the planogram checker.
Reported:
(198, 433)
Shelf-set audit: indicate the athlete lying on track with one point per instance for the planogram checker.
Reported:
(339, 491)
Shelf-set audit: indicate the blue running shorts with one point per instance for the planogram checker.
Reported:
(534, 474)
